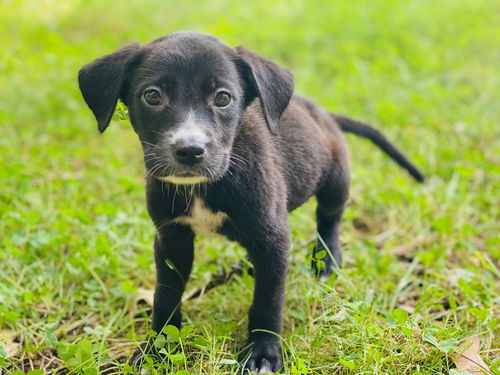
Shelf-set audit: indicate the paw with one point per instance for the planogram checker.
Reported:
(322, 262)
(262, 357)
(324, 274)
(138, 361)
(322, 268)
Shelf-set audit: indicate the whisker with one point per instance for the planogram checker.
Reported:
(150, 144)
(164, 170)
(237, 167)
(160, 133)
(190, 197)
(149, 158)
(239, 158)
(156, 168)
(173, 199)
(184, 187)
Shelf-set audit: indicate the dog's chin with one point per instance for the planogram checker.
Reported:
(196, 176)
(184, 180)
(191, 178)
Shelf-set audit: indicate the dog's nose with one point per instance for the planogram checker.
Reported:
(188, 152)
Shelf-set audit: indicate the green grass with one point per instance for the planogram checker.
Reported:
(76, 242)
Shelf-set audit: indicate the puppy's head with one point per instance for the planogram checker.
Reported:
(186, 93)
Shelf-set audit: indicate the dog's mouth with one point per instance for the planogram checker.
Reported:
(204, 172)
(190, 177)
(184, 178)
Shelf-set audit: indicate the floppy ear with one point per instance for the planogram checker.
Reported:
(272, 84)
(102, 82)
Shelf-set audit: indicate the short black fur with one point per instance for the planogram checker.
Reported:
(241, 167)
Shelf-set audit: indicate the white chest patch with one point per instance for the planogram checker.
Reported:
(202, 219)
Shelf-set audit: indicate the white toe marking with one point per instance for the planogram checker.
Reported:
(265, 369)
(324, 278)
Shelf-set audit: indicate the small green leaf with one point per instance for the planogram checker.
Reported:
(320, 254)
(478, 313)
(128, 286)
(51, 327)
(50, 340)
(350, 365)
(176, 358)
(201, 343)
(430, 339)
(400, 316)
(121, 112)
(11, 316)
(448, 345)
(407, 332)
(172, 332)
(160, 341)
(85, 346)
(445, 346)
(185, 331)
(320, 264)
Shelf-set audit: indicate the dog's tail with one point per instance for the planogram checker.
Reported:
(366, 131)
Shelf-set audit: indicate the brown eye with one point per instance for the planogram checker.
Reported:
(152, 97)
(222, 99)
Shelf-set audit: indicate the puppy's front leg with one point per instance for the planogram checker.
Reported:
(174, 252)
(270, 259)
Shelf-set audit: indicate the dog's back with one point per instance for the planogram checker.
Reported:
(310, 142)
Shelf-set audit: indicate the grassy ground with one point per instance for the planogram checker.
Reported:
(76, 242)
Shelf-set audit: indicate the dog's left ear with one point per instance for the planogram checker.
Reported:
(102, 82)
(271, 83)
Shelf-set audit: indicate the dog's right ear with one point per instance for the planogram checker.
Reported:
(102, 82)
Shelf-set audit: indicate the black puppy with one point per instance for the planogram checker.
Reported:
(224, 123)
